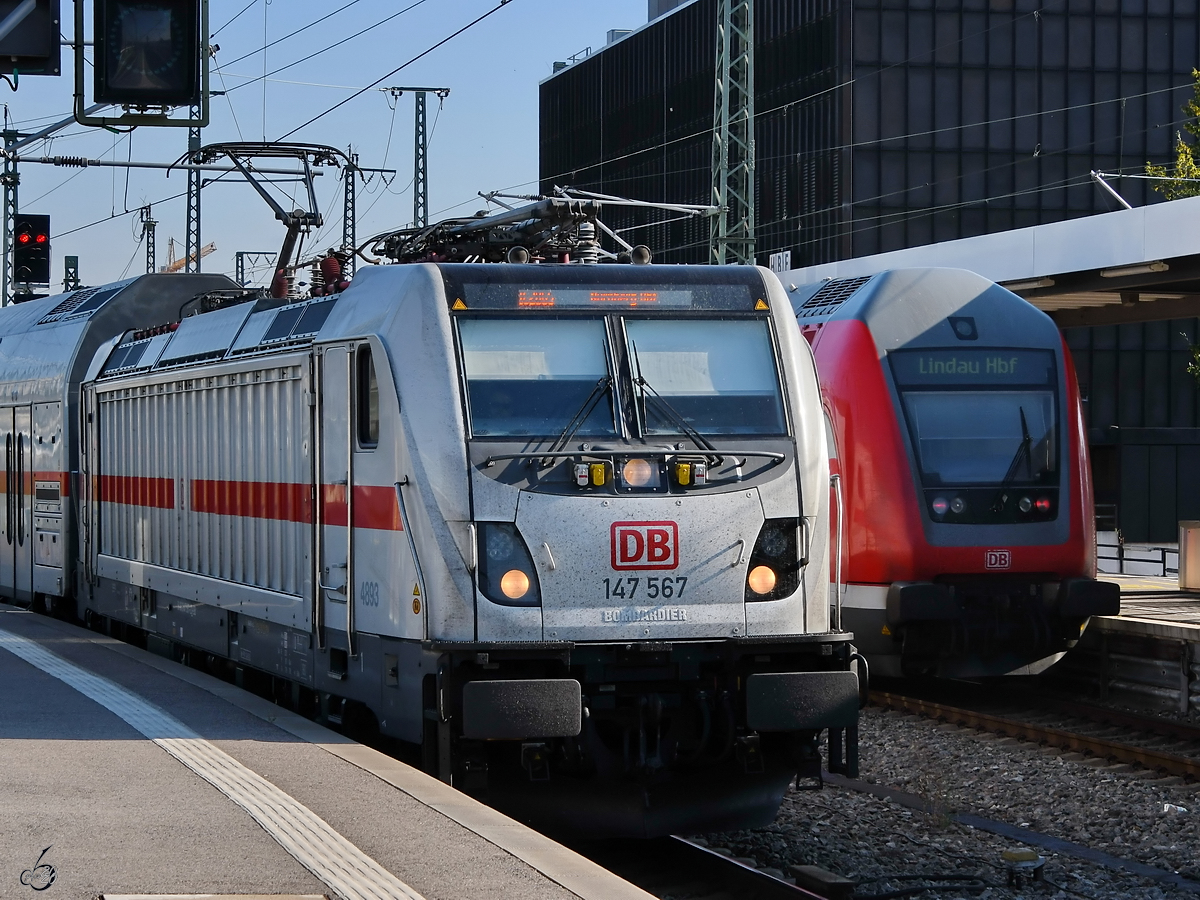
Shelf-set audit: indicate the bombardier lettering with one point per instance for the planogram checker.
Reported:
(656, 614)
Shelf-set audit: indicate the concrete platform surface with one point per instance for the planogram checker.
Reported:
(123, 774)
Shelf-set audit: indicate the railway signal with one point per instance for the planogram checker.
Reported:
(31, 249)
(148, 52)
(29, 37)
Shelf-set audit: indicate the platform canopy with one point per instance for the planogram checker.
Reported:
(1132, 265)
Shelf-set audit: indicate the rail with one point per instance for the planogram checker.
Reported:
(1121, 751)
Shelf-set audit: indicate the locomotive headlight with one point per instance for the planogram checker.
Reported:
(500, 544)
(776, 561)
(637, 472)
(761, 579)
(514, 584)
(940, 505)
(506, 572)
(1024, 504)
(957, 505)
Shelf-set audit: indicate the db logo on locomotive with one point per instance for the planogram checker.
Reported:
(997, 559)
(645, 545)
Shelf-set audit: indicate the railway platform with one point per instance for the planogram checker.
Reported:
(1148, 656)
(127, 775)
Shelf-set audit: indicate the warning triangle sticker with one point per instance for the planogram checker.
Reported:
(761, 304)
(885, 630)
(416, 590)
(458, 304)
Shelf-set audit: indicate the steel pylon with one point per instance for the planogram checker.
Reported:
(732, 231)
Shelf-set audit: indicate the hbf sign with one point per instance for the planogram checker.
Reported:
(645, 545)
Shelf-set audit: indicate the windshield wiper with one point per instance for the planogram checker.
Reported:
(670, 411)
(581, 415)
(1024, 452)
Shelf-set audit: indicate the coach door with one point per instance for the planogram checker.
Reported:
(16, 519)
(335, 499)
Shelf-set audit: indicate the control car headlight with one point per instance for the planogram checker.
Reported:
(506, 573)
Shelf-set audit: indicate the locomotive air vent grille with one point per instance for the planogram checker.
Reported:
(831, 296)
(80, 303)
(301, 321)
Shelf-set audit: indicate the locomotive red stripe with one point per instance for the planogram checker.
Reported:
(136, 490)
(254, 499)
(374, 507)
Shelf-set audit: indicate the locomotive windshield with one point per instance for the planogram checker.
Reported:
(531, 377)
(719, 377)
(541, 377)
(980, 416)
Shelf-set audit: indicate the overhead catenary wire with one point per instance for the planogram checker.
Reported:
(267, 46)
(332, 46)
(404, 65)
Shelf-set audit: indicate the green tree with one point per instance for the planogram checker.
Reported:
(1183, 178)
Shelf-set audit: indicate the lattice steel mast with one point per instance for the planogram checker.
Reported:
(732, 234)
(191, 250)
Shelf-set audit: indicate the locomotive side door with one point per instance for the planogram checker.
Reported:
(335, 498)
(8, 523)
(20, 499)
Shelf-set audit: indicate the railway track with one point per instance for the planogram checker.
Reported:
(1153, 743)
(681, 869)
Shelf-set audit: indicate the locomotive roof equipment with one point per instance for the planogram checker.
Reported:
(958, 445)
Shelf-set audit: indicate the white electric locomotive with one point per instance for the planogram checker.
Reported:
(564, 526)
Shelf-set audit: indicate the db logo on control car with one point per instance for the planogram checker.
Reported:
(997, 559)
(645, 545)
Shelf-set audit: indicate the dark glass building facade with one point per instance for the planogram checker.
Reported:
(883, 124)
(887, 124)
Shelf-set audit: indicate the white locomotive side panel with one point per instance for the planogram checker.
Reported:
(210, 477)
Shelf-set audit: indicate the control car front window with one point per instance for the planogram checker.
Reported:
(716, 377)
(983, 437)
(980, 416)
(532, 377)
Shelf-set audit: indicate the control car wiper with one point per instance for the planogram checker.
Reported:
(647, 389)
(1024, 452)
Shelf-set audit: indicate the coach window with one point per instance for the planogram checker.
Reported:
(368, 400)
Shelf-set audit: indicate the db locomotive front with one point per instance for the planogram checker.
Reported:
(564, 527)
(968, 537)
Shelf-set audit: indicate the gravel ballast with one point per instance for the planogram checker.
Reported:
(1123, 811)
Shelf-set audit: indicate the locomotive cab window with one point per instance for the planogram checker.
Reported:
(717, 376)
(368, 400)
(534, 377)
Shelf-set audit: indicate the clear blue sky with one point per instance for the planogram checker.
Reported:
(486, 135)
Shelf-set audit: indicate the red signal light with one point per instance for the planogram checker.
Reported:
(24, 238)
(40, 239)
